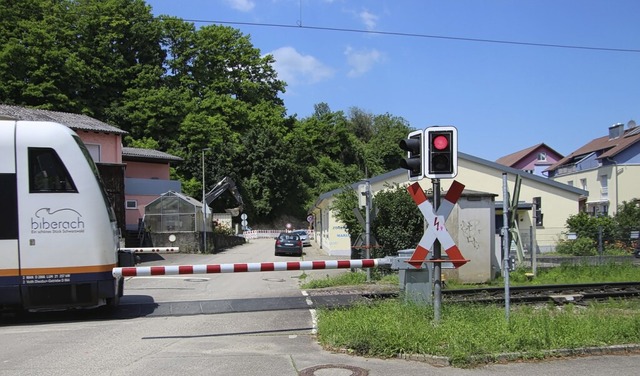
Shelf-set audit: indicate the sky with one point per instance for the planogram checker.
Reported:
(508, 74)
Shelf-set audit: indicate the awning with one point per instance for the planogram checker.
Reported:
(596, 202)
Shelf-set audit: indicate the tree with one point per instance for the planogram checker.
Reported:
(399, 223)
(75, 55)
(182, 89)
(585, 225)
(627, 219)
(343, 205)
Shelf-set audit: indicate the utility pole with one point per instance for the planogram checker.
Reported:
(505, 244)
(204, 203)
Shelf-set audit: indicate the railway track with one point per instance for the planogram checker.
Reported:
(546, 293)
(534, 294)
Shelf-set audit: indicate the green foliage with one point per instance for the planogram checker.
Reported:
(181, 89)
(343, 205)
(223, 229)
(472, 334)
(587, 226)
(570, 274)
(627, 219)
(564, 274)
(343, 279)
(582, 246)
(76, 56)
(615, 231)
(399, 223)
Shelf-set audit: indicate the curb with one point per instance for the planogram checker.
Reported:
(444, 361)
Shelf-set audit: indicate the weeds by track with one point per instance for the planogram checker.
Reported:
(544, 293)
(534, 294)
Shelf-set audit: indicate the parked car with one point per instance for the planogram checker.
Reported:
(288, 243)
(304, 236)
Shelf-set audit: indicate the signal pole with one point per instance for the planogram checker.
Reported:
(367, 233)
(437, 255)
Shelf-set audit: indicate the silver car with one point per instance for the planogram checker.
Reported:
(304, 236)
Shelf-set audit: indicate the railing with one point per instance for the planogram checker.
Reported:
(267, 234)
(261, 234)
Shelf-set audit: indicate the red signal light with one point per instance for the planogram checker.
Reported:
(441, 154)
(440, 142)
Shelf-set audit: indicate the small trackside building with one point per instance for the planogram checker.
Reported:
(558, 201)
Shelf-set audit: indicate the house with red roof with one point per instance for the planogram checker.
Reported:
(535, 159)
(607, 167)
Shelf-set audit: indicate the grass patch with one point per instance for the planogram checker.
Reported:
(344, 279)
(568, 274)
(470, 334)
(357, 277)
(564, 274)
(467, 333)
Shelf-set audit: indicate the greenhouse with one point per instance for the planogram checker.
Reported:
(173, 212)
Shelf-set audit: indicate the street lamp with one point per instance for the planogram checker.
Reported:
(204, 203)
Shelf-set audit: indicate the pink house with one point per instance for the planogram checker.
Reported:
(534, 159)
(146, 178)
(133, 177)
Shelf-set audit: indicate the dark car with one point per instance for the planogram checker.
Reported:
(288, 243)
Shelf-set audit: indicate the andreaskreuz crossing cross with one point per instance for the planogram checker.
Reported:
(436, 228)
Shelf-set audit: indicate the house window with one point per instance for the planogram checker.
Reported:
(131, 204)
(94, 151)
(604, 186)
(583, 184)
(570, 183)
(542, 156)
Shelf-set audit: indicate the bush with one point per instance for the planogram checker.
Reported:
(587, 226)
(617, 248)
(581, 246)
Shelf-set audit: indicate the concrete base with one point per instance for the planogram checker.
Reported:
(417, 285)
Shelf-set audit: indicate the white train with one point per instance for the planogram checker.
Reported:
(58, 235)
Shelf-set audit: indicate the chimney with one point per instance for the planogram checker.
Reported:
(616, 130)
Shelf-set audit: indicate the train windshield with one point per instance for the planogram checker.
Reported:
(96, 173)
(47, 173)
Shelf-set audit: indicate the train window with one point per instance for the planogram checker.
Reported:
(47, 173)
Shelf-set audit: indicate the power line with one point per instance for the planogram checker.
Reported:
(416, 35)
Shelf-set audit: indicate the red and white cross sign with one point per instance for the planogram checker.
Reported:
(436, 229)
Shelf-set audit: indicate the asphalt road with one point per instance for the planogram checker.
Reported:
(221, 324)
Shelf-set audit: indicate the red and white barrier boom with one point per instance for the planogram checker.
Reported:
(248, 267)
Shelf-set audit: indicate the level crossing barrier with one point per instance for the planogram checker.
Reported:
(152, 250)
(268, 234)
(247, 267)
(261, 234)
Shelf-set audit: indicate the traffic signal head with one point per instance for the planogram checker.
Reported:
(441, 152)
(414, 162)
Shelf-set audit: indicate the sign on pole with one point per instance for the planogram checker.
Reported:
(436, 225)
